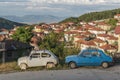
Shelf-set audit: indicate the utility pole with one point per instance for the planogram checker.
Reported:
(2, 44)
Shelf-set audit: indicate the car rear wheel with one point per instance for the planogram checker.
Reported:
(23, 66)
(50, 65)
(105, 65)
(72, 65)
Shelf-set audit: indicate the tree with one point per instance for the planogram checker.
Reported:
(23, 34)
(52, 43)
(112, 22)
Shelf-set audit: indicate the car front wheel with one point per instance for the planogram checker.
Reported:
(23, 66)
(72, 65)
(105, 65)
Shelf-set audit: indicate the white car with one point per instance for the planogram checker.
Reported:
(38, 58)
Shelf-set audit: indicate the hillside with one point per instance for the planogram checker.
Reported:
(93, 16)
(4, 23)
(33, 19)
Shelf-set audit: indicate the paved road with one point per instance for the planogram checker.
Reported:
(112, 73)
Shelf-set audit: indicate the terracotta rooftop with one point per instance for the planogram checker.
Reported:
(89, 43)
(103, 35)
(71, 32)
(117, 15)
(117, 30)
(98, 40)
(96, 29)
(108, 47)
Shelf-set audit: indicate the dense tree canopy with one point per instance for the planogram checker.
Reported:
(23, 34)
(93, 16)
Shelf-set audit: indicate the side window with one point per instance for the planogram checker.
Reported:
(86, 54)
(35, 55)
(95, 54)
(45, 55)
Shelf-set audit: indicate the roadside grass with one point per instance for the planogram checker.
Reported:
(9, 67)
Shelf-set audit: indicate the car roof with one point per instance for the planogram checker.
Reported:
(40, 51)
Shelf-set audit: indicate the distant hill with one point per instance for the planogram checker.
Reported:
(4, 23)
(94, 16)
(32, 19)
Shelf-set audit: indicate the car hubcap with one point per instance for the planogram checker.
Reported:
(23, 66)
(105, 65)
(72, 65)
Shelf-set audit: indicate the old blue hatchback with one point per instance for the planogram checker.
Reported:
(89, 57)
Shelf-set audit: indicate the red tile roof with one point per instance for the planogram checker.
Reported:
(71, 32)
(112, 38)
(103, 35)
(117, 30)
(96, 29)
(88, 43)
(117, 15)
(98, 40)
(108, 47)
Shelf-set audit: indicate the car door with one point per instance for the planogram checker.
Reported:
(96, 58)
(34, 60)
(85, 58)
(45, 57)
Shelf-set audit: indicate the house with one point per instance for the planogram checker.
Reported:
(97, 31)
(79, 37)
(99, 42)
(4, 32)
(117, 16)
(104, 26)
(87, 44)
(117, 31)
(112, 40)
(109, 48)
(82, 44)
(68, 35)
(103, 36)
(37, 28)
(11, 50)
(82, 23)
(39, 34)
(118, 23)
(92, 23)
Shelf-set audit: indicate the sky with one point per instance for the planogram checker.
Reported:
(55, 7)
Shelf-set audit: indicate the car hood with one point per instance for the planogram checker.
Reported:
(23, 58)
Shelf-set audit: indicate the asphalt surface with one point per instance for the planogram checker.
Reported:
(83, 73)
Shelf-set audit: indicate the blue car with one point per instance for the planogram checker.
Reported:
(89, 57)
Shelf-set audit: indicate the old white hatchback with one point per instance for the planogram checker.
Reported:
(38, 58)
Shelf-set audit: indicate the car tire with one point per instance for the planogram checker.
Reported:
(50, 65)
(23, 66)
(105, 65)
(72, 65)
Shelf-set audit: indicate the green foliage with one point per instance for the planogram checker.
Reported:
(112, 22)
(4, 23)
(93, 16)
(99, 15)
(52, 43)
(23, 34)
(71, 19)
